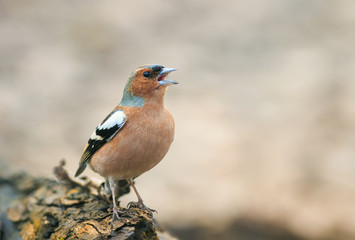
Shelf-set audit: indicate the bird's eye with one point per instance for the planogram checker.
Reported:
(146, 74)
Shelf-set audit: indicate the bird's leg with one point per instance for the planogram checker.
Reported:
(140, 200)
(115, 209)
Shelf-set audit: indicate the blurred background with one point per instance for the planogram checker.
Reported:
(265, 115)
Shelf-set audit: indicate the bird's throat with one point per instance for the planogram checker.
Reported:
(131, 101)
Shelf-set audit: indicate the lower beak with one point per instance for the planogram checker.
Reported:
(167, 82)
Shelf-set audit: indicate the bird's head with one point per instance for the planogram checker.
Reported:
(148, 81)
(150, 78)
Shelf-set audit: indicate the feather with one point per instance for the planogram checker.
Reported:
(102, 134)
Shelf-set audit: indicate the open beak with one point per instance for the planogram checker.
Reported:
(166, 82)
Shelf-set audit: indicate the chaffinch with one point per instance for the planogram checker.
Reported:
(136, 135)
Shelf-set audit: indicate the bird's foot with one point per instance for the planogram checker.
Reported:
(115, 214)
(142, 206)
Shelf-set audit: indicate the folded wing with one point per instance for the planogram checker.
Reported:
(102, 134)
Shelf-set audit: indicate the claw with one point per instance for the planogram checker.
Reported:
(115, 214)
(141, 206)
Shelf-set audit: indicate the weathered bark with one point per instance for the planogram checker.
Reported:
(40, 208)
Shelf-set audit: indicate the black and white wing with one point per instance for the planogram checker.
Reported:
(103, 134)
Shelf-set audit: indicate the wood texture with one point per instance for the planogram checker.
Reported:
(40, 208)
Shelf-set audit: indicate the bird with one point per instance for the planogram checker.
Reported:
(135, 136)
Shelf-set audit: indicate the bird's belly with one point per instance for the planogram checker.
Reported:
(134, 150)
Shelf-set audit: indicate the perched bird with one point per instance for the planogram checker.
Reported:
(136, 135)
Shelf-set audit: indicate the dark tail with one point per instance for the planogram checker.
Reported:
(80, 169)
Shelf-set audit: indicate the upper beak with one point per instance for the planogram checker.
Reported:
(166, 82)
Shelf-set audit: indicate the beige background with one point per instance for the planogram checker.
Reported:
(264, 112)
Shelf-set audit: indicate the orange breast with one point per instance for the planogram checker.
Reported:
(138, 146)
